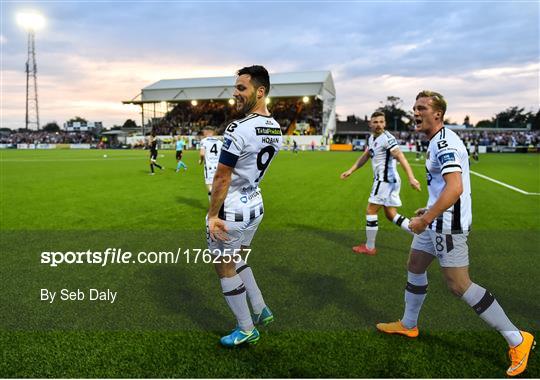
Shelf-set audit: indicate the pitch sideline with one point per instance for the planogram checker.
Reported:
(494, 181)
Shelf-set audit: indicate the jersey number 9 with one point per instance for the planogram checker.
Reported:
(262, 165)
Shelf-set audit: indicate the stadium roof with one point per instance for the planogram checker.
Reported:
(312, 83)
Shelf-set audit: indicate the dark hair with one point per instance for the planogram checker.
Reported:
(259, 77)
(377, 114)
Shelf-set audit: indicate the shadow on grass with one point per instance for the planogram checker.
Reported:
(338, 237)
(180, 292)
(192, 202)
(333, 304)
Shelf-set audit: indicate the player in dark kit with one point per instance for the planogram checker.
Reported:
(153, 154)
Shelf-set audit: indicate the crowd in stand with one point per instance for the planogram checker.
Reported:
(483, 138)
(291, 113)
(42, 137)
(187, 119)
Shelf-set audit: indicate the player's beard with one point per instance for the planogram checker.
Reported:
(249, 104)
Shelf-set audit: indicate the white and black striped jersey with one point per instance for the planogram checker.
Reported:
(382, 161)
(249, 146)
(212, 149)
(446, 154)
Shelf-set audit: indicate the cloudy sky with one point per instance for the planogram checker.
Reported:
(483, 56)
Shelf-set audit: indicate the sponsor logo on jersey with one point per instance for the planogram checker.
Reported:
(254, 195)
(267, 131)
(227, 143)
(248, 189)
(443, 158)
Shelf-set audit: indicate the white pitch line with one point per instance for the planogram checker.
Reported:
(74, 159)
(494, 181)
(503, 184)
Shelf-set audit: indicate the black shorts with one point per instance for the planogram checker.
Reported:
(178, 154)
(153, 155)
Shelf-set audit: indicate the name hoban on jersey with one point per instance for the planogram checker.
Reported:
(266, 131)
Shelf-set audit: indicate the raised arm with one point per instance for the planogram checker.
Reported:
(398, 155)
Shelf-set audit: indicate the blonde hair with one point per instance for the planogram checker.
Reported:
(438, 101)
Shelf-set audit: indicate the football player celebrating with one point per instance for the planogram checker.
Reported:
(383, 150)
(236, 206)
(441, 231)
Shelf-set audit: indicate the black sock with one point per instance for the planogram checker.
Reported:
(158, 166)
(152, 168)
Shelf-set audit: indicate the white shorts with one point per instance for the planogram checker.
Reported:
(450, 249)
(239, 233)
(385, 194)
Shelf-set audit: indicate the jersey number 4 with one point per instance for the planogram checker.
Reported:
(263, 160)
(214, 149)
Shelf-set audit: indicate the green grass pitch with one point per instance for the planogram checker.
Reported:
(167, 318)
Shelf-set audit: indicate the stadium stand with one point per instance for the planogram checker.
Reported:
(41, 137)
(302, 102)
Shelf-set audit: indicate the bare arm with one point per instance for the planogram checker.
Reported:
(220, 187)
(201, 156)
(398, 155)
(449, 196)
(357, 165)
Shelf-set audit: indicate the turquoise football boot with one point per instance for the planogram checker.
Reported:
(238, 337)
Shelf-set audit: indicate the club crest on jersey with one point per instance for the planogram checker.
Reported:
(227, 143)
(443, 158)
(243, 199)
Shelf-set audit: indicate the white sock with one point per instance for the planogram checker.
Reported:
(234, 292)
(415, 294)
(253, 291)
(402, 222)
(487, 308)
(372, 225)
